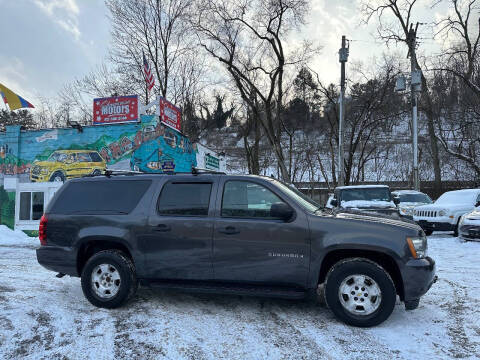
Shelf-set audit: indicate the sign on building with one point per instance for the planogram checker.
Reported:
(170, 115)
(212, 162)
(117, 109)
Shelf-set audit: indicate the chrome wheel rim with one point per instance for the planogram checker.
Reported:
(360, 294)
(106, 281)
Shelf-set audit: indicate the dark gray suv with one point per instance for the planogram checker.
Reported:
(232, 234)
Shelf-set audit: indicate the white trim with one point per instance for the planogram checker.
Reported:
(48, 189)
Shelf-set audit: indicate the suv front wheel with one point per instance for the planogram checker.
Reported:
(360, 292)
(109, 279)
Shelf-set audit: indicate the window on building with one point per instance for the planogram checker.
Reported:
(185, 199)
(31, 205)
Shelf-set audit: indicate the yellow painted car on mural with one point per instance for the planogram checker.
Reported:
(67, 164)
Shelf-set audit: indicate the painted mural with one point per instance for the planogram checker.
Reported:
(61, 154)
(7, 208)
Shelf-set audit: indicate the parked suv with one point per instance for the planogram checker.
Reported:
(248, 235)
(366, 198)
(445, 213)
(409, 200)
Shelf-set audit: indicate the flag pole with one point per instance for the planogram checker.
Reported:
(6, 106)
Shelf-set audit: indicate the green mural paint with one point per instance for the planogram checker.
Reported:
(7, 208)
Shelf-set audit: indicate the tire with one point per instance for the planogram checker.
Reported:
(121, 283)
(428, 232)
(376, 309)
(57, 176)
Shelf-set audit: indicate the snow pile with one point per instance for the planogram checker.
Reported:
(16, 238)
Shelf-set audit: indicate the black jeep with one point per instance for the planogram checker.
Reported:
(232, 234)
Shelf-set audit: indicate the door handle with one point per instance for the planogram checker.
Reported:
(229, 230)
(162, 227)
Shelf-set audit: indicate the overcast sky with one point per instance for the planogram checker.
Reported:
(47, 43)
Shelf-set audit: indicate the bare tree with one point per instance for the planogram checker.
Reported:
(457, 102)
(400, 30)
(102, 81)
(248, 38)
(160, 30)
(461, 32)
(457, 108)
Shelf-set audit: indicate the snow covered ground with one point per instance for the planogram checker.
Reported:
(48, 318)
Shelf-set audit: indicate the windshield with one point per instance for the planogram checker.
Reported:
(368, 194)
(415, 198)
(457, 197)
(300, 198)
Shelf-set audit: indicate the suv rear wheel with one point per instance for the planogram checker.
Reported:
(360, 292)
(109, 279)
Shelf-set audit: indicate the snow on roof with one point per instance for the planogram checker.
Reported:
(360, 187)
(464, 191)
(406, 192)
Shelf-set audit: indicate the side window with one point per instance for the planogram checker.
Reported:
(247, 199)
(185, 199)
(82, 157)
(95, 157)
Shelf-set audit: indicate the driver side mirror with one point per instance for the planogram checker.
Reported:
(477, 204)
(334, 202)
(396, 200)
(282, 211)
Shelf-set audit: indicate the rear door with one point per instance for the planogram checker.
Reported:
(250, 245)
(180, 231)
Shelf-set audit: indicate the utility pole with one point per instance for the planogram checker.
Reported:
(415, 86)
(343, 58)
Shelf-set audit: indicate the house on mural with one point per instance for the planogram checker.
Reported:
(30, 161)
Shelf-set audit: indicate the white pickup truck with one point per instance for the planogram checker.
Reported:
(444, 214)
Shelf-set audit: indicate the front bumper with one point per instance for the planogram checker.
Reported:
(418, 276)
(39, 178)
(469, 232)
(58, 259)
(436, 226)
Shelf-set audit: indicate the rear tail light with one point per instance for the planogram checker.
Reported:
(42, 230)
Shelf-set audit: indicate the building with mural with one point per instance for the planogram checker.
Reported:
(33, 164)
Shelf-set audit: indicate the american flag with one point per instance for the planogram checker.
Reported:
(148, 73)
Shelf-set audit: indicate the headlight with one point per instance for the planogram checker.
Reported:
(406, 211)
(418, 246)
(462, 219)
(442, 213)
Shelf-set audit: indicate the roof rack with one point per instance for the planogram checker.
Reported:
(110, 172)
(195, 171)
(198, 171)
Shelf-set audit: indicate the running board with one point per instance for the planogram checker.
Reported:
(227, 288)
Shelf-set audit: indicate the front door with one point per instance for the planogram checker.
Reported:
(179, 240)
(250, 245)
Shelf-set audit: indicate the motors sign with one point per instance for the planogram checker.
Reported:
(117, 109)
(170, 115)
